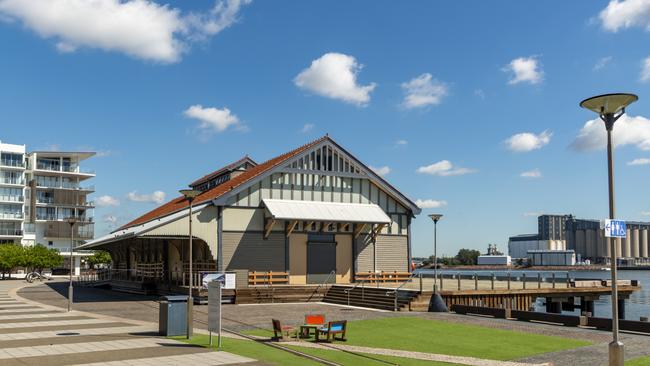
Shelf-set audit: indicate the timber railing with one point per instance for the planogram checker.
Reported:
(382, 277)
(270, 278)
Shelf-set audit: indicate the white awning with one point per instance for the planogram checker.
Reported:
(326, 211)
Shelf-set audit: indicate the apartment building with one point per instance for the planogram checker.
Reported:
(40, 192)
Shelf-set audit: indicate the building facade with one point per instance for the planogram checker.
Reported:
(39, 192)
(315, 213)
(586, 238)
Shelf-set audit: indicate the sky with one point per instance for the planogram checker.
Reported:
(470, 108)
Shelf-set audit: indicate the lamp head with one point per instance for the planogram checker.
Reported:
(435, 217)
(609, 103)
(190, 194)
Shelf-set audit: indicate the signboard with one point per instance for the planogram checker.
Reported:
(214, 309)
(227, 279)
(614, 228)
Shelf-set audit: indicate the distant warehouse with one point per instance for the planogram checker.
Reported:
(585, 238)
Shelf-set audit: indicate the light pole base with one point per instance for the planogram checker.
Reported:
(616, 354)
(190, 317)
(69, 298)
(437, 304)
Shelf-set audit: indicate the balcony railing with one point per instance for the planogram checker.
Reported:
(65, 185)
(12, 181)
(48, 200)
(11, 232)
(62, 168)
(10, 198)
(52, 217)
(13, 163)
(11, 215)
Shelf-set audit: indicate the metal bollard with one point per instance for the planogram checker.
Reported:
(458, 276)
(523, 276)
(492, 281)
(475, 281)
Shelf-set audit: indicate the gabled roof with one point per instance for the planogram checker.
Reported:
(230, 167)
(241, 181)
(180, 203)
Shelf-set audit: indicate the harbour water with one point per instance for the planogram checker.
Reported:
(637, 305)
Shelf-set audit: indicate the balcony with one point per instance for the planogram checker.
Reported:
(62, 168)
(62, 230)
(9, 198)
(15, 181)
(65, 185)
(11, 232)
(12, 163)
(11, 215)
(52, 217)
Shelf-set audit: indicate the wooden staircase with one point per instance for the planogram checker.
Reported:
(371, 297)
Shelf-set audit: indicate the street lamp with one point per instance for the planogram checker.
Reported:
(71, 220)
(610, 107)
(436, 304)
(189, 195)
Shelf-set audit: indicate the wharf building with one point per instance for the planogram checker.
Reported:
(311, 215)
(586, 238)
(39, 192)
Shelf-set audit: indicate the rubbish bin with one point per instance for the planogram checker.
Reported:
(172, 319)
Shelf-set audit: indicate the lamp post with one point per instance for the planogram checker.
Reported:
(71, 220)
(436, 304)
(610, 107)
(189, 195)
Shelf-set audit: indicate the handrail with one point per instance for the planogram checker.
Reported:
(363, 281)
(395, 291)
(321, 284)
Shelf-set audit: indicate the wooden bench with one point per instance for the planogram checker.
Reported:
(333, 331)
(282, 333)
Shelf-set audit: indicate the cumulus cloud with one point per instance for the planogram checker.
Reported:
(106, 201)
(401, 142)
(645, 70)
(423, 91)
(142, 29)
(334, 75)
(524, 70)
(214, 119)
(307, 128)
(641, 161)
(535, 173)
(628, 130)
(625, 14)
(528, 141)
(444, 168)
(155, 197)
(381, 171)
(532, 214)
(430, 203)
(602, 62)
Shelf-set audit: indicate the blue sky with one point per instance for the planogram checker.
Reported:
(457, 99)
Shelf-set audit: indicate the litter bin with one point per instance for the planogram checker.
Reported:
(172, 319)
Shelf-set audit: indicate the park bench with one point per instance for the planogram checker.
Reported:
(282, 333)
(333, 331)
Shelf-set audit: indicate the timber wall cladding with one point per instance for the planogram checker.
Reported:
(250, 251)
(365, 260)
(392, 253)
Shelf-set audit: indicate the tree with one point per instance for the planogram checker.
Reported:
(99, 257)
(38, 257)
(11, 256)
(467, 257)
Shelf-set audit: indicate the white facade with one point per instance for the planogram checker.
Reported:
(494, 260)
(519, 249)
(39, 191)
(552, 257)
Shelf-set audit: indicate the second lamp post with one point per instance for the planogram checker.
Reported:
(189, 195)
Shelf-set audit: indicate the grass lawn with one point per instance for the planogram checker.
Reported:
(641, 361)
(274, 356)
(432, 336)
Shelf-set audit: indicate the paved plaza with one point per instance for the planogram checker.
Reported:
(38, 334)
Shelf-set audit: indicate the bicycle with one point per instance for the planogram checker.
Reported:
(33, 276)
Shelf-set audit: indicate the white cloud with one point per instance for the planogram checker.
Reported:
(628, 130)
(645, 213)
(307, 128)
(422, 91)
(479, 93)
(524, 70)
(626, 14)
(535, 173)
(110, 219)
(155, 197)
(142, 29)
(528, 141)
(444, 168)
(401, 142)
(334, 75)
(602, 62)
(532, 214)
(641, 161)
(105, 201)
(213, 118)
(381, 171)
(430, 203)
(645, 70)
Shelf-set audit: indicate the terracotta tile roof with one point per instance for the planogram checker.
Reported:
(180, 203)
(226, 168)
